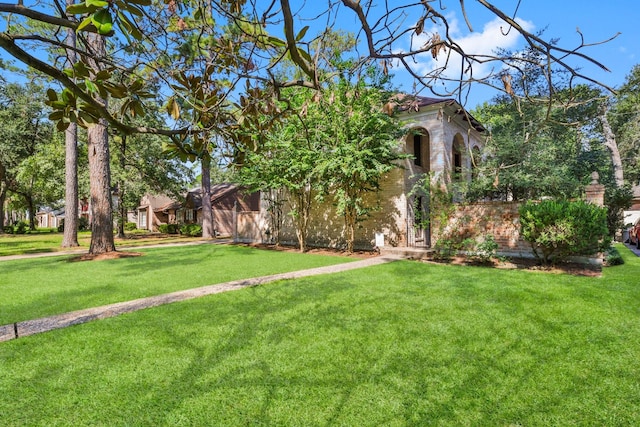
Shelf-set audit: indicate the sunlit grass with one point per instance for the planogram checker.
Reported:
(21, 244)
(32, 288)
(399, 344)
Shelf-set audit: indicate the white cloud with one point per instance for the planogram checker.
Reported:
(495, 35)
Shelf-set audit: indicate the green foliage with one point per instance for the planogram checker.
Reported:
(19, 227)
(535, 150)
(83, 224)
(484, 249)
(362, 145)
(172, 229)
(558, 229)
(617, 200)
(191, 230)
(624, 117)
(130, 226)
(613, 257)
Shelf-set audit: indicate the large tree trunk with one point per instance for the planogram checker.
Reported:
(612, 146)
(100, 175)
(70, 234)
(31, 208)
(100, 190)
(207, 210)
(302, 210)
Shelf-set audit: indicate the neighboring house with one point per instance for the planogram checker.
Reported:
(442, 141)
(49, 218)
(226, 201)
(155, 210)
(53, 218)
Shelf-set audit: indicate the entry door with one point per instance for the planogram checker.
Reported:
(419, 232)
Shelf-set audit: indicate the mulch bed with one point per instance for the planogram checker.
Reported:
(530, 264)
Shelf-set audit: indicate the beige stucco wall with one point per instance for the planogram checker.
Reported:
(327, 227)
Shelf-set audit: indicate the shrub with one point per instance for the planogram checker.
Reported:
(484, 250)
(191, 230)
(613, 257)
(20, 227)
(558, 229)
(169, 228)
(130, 226)
(83, 224)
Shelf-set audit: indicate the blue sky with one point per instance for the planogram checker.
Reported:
(597, 20)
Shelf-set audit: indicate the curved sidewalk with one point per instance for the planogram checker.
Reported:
(44, 324)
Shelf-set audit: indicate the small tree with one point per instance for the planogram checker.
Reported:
(362, 146)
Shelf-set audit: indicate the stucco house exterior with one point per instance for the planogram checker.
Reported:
(442, 139)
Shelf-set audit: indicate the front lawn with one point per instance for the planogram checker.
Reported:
(33, 288)
(398, 344)
(20, 244)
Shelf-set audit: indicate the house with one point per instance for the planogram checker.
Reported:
(155, 210)
(48, 217)
(226, 201)
(442, 141)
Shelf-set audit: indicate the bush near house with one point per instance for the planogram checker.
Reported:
(169, 228)
(191, 230)
(130, 226)
(558, 229)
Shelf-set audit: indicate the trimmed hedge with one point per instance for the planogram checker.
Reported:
(558, 229)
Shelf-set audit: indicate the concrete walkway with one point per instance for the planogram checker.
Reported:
(44, 324)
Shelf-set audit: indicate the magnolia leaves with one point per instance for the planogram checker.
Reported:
(69, 107)
(101, 16)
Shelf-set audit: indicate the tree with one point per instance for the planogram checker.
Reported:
(540, 149)
(624, 117)
(361, 144)
(287, 159)
(70, 232)
(23, 129)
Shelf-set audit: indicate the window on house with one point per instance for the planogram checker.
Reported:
(417, 149)
(188, 215)
(142, 220)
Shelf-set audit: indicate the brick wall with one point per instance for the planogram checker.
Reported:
(500, 219)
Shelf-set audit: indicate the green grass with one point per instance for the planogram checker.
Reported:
(22, 244)
(33, 288)
(399, 344)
